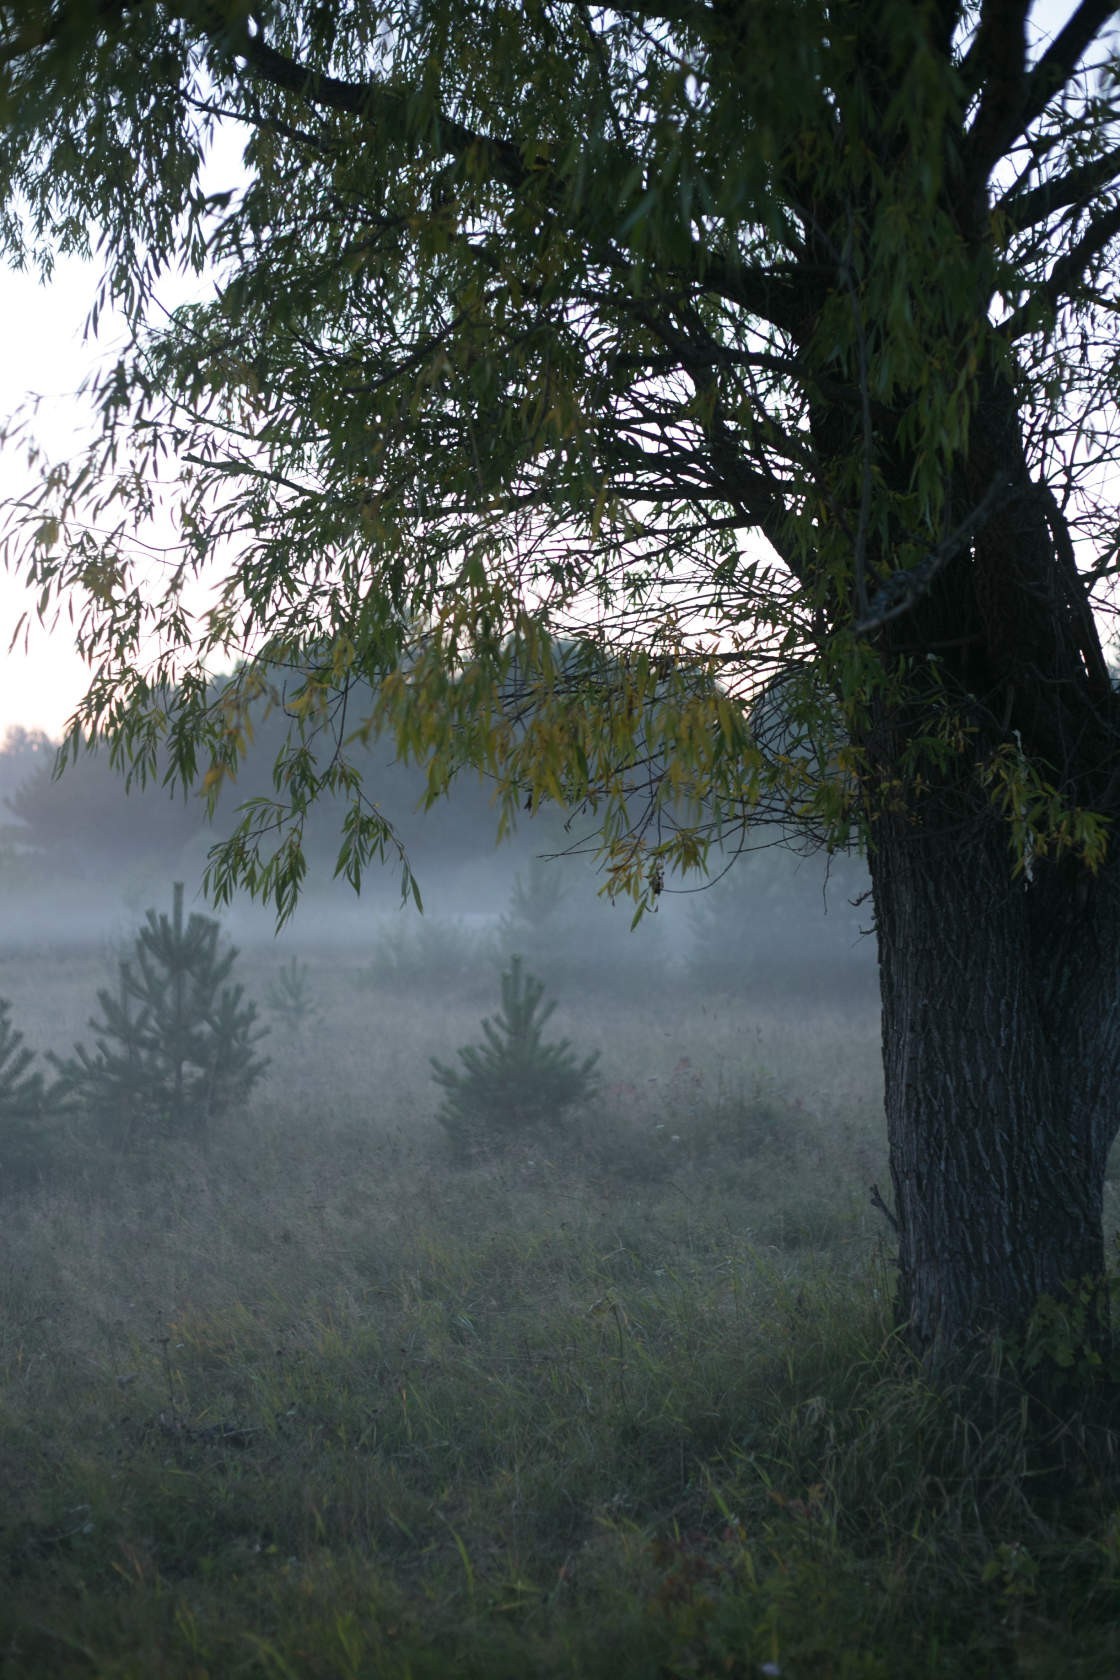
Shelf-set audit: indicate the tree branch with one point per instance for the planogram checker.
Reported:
(904, 588)
(364, 99)
(57, 25)
(1026, 208)
(878, 1203)
(1013, 98)
(778, 295)
(1064, 275)
(1057, 63)
(996, 66)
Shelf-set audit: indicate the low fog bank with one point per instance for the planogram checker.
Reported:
(81, 862)
(774, 924)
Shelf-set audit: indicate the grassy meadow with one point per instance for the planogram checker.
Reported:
(315, 1404)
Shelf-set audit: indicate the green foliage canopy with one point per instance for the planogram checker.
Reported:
(676, 329)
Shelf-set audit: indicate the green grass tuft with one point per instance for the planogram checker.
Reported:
(313, 1404)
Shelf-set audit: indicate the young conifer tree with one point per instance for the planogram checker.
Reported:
(291, 997)
(22, 1104)
(175, 1045)
(514, 1083)
(535, 921)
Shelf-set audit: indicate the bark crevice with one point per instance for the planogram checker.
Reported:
(999, 1107)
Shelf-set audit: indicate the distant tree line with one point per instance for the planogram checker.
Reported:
(761, 924)
(84, 825)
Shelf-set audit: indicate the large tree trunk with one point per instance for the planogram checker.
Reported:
(1001, 1050)
(1000, 992)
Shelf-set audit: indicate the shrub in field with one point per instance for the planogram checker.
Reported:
(513, 1083)
(23, 1100)
(426, 951)
(558, 921)
(538, 920)
(175, 1046)
(782, 921)
(292, 997)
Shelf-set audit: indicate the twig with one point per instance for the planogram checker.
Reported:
(878, 1202)
(905, 587)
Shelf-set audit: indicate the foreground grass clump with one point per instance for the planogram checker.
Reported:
(316, 1406)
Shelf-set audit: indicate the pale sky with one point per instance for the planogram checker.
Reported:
(46, 356)
(43, 355)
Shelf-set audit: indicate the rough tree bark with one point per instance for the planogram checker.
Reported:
(1000, 1054)
(1000, 993)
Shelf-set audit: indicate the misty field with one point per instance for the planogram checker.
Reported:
(316, 1401)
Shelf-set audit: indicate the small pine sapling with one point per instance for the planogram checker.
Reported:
(23, 1100)
(175, 1045)
(513, 1083)
(535, 902)
(232, 1067)
(291, 996)
(536, 922)
(113, 1084)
